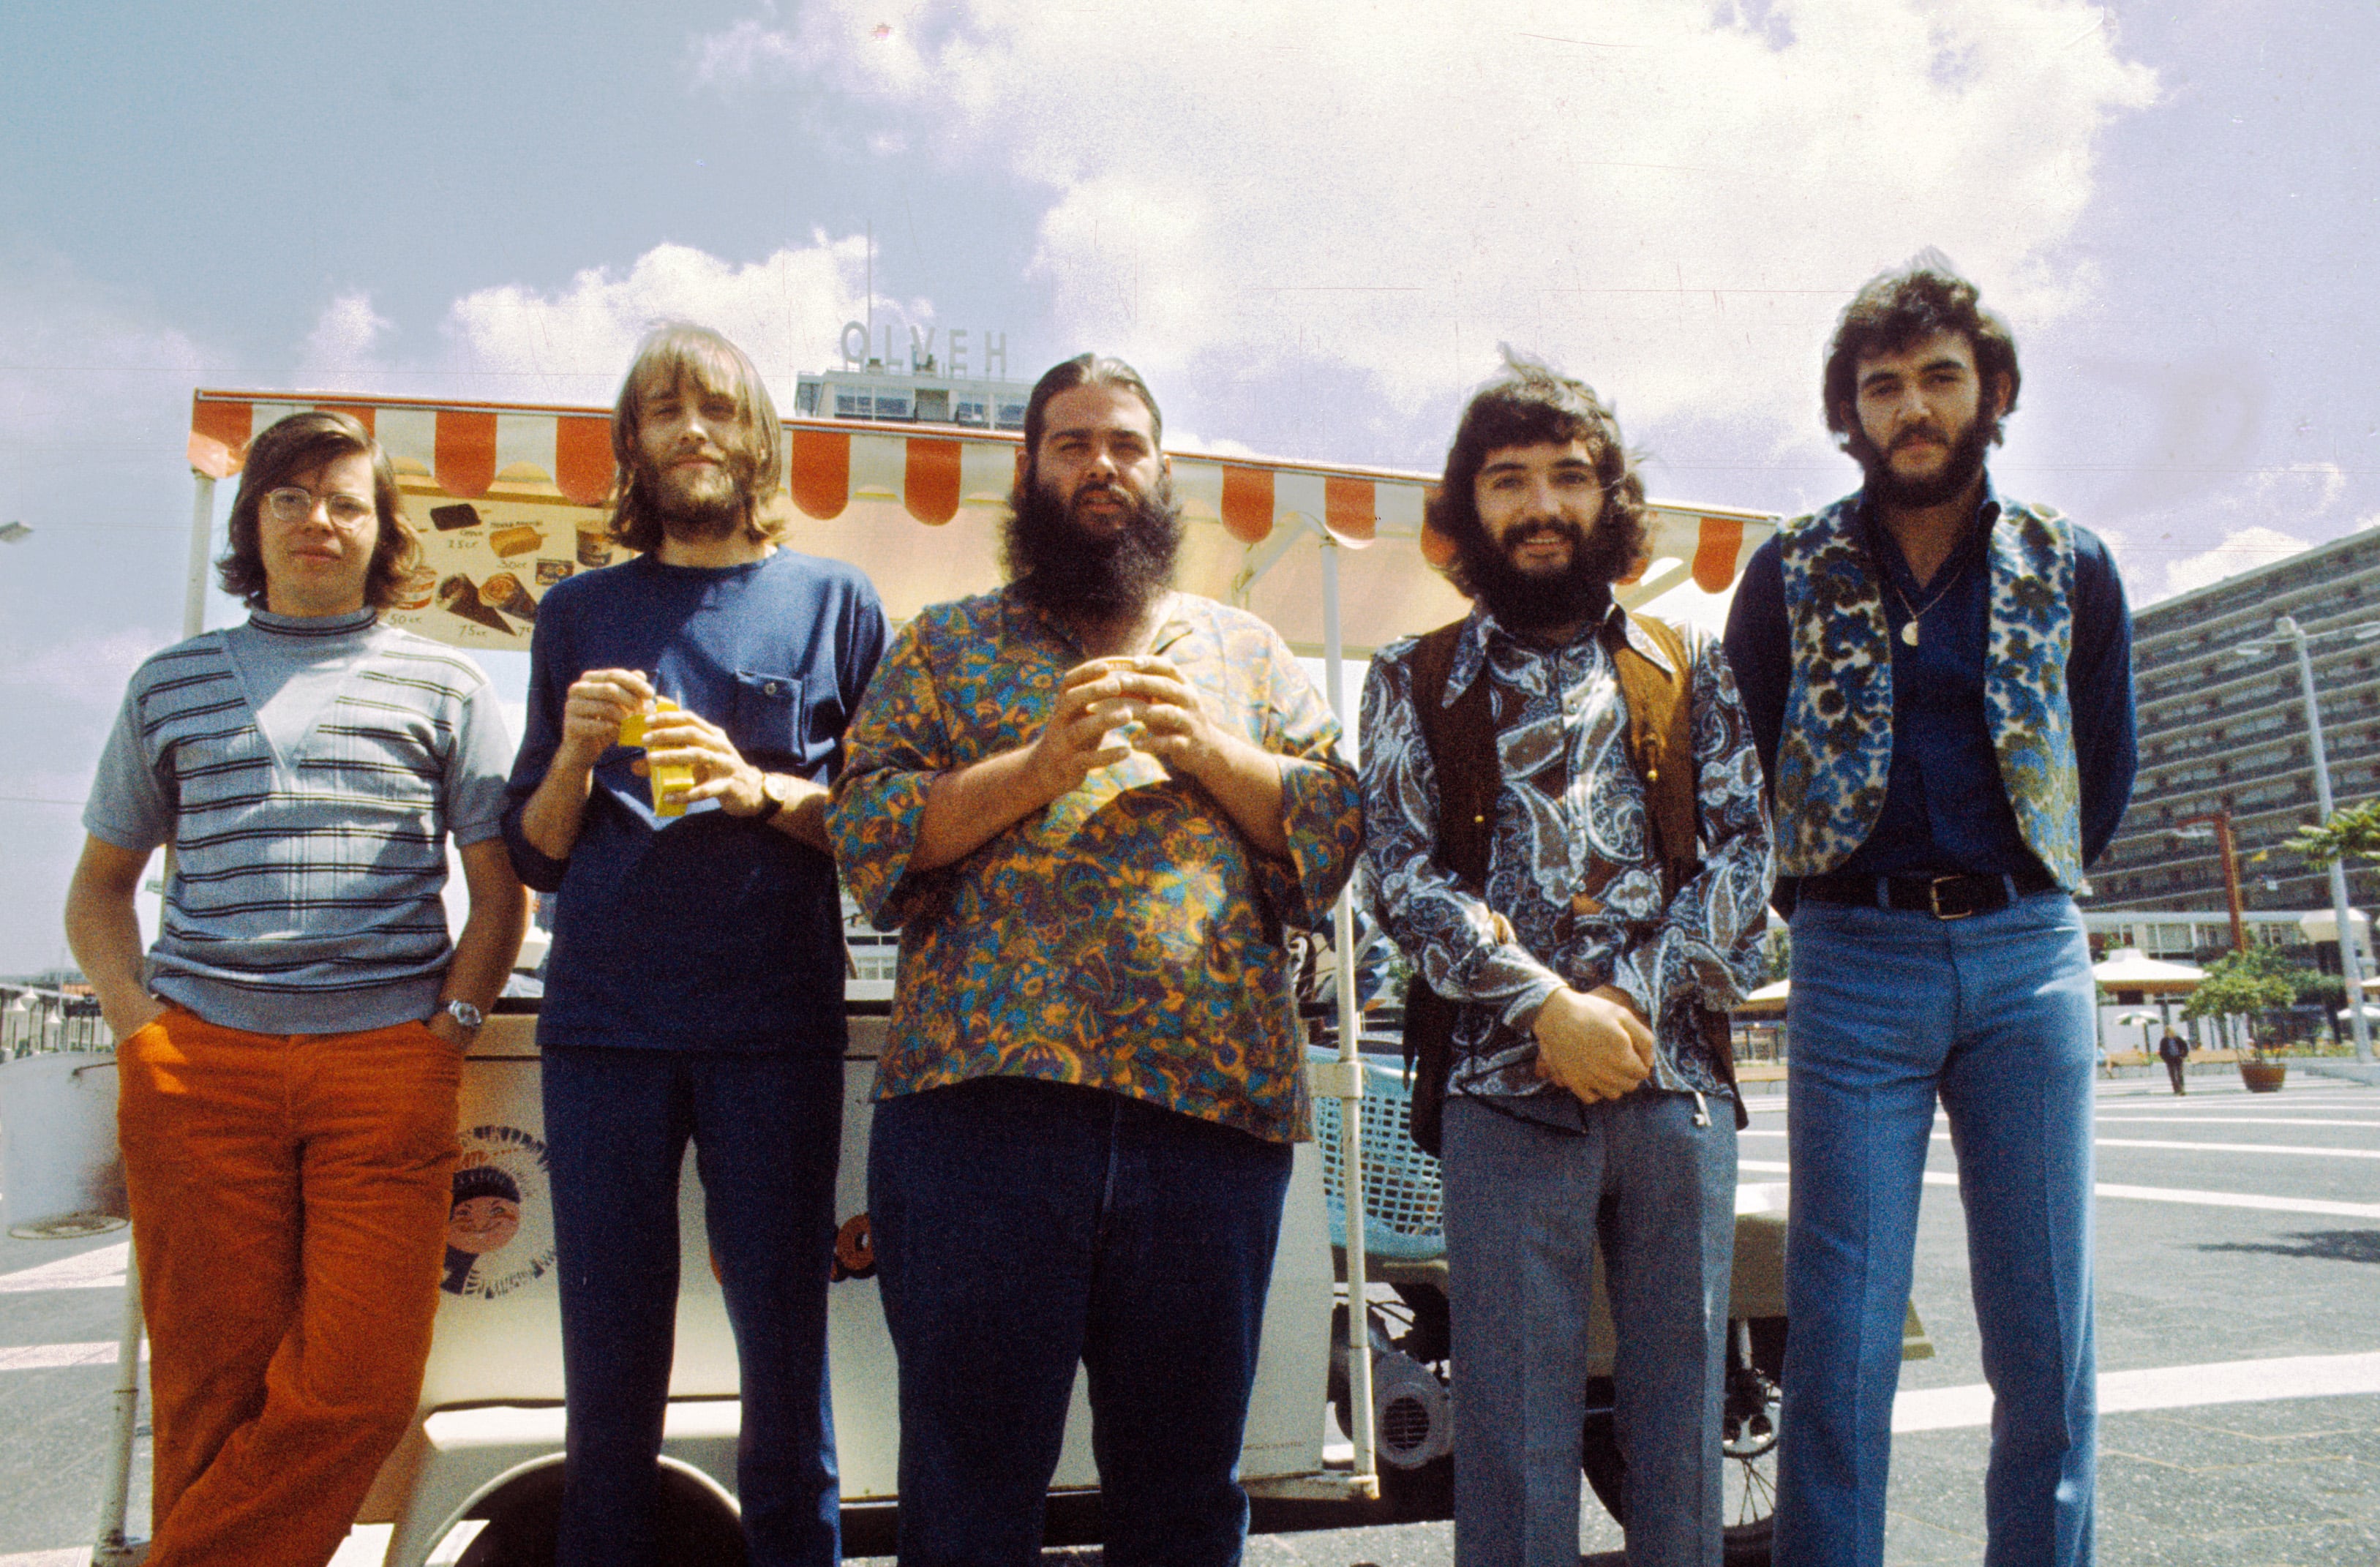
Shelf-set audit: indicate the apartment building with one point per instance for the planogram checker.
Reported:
(2223, 730)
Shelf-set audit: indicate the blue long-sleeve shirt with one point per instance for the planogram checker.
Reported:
(1945, 810)
(705, 930)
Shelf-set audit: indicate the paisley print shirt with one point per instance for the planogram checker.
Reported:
(1574, 890)
(1126, 936)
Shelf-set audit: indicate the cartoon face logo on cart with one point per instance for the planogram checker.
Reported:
(500, 1226)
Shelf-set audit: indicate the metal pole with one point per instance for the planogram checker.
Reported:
(203, 529)
(2350, 962)
(112, 1549)
(1349, 1086)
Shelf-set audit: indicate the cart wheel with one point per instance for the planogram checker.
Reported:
(1748, 1442)
(697, 1528)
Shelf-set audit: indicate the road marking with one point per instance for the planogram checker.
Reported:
(2237, 1148)
(97, 1270)
(2152, 1193)
(73, 1556)
(2243, 1121)
(2165, 1387)
(49, 1358)
(2153, 1143)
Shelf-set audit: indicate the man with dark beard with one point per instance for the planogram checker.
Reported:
(1092, 805)
(695, 987)
(1940, 681)
(1585, 910)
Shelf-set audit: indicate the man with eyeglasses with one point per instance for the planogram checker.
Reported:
(292, 1048)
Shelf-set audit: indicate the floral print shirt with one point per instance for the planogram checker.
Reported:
(1574, 894)
(1126, 936)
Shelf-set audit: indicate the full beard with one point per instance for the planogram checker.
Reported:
(1966, 460)
(697, 505)
(1527, 602)
(1058, 565)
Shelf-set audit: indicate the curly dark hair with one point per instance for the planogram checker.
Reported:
(1893, 309)
(1531, 405)
(301, 444)
(674, 350)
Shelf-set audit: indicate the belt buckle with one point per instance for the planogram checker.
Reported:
(1934, 899)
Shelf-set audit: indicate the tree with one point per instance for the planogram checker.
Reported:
(2353, 832)
(2258, 980)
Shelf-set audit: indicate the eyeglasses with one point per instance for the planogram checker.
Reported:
(295, 503)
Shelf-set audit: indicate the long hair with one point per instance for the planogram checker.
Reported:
(1893, 309)
(674, 350)
(1531, 405)
(1085, 370)
(301, 444)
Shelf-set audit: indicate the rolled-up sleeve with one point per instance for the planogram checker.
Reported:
(896, 745)
(1321, 801)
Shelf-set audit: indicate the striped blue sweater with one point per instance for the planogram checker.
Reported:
(307, 774)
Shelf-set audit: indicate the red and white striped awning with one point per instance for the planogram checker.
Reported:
(919, 510)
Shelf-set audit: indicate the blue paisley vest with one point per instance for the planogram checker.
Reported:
(1835, 755)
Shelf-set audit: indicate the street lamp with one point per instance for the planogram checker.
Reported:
(2350, 961)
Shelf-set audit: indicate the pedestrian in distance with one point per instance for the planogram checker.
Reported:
(2175, 1053)
(1093, 805)
(1565, 834)
(1939, 678)
(291, 1049)
(686, 710)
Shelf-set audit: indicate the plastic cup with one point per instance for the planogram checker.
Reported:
(669, 783)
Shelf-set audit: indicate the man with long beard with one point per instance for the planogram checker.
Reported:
(695, 987)
(1093, 805)
(1579, 902)
(1940, 682)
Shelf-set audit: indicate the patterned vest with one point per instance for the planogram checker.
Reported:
(1835, 755)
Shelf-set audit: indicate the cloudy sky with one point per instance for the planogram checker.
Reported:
(1309, 225)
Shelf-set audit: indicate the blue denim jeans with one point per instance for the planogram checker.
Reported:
(1024, 1227)
(767, 1132)
(1527, 1207)
(1993, 1014)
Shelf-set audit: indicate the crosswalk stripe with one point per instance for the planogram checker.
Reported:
(2162, 1387)
(2230, 1121)
(2237, 1148)
(102, 1267)
(2152, 1193)
(50, 1357)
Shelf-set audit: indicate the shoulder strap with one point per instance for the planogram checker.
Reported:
(1661, 738)
(1462, 741)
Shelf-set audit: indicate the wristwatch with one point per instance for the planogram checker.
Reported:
(772, 802)
(464, 1013)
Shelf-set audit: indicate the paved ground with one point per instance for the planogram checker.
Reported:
(2239, 1334)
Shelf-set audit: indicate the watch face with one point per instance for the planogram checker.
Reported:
(465, 1013)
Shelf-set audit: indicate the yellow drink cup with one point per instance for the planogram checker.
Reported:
(669, 784)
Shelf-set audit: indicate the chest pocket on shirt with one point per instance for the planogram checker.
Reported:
(768, 712)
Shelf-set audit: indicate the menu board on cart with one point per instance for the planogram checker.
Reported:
(486, 563)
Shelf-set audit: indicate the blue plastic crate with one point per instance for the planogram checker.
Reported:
(1403, 1200)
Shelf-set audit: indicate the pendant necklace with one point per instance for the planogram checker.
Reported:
(1908, 626)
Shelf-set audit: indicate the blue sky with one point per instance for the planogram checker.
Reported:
(1310, 226)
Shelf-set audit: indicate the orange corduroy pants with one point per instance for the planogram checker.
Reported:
(289, 1203)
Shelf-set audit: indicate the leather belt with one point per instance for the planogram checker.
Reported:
(1944, 897)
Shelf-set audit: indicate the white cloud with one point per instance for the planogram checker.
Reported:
(88, 668)
(77, 359)
(1672, 203)
(2269, 514)
(344, 349)
(572, 344)
(2242, 549)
